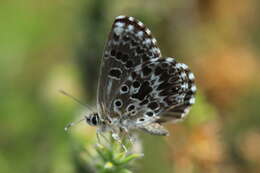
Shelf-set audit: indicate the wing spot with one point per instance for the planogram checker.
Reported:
(158, 71)
(129, 64)
(130, 28)
(118, 30)
(131, 19)
(124, 58)
(146, 71)
(178, 65)
(120, 17)
(184, 66)
(154, 59)
(153, 105)
(139, 50)
(140, 34)
(115, 72)
(154, 40)
(143, 91)
(193, 88)
(113, 52)
(191, 76)
(164, 65)
(145, 57)
(149, 113)
(192, 101)
(131, 107)
(183, 75)
(124, 89)
(136, 84)
(126, 37)
(119, 55)
(147, 41)
(118, 103)
(133, 112)
(116, 38)
(148, 32)
(144, 102)
(133, 74)
(141, 119)
(169, 59)
(140, 24)
(120, 24)
(156, 50)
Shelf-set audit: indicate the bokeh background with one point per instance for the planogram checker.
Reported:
(57, 44)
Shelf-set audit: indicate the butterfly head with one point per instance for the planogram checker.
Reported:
(93, 119)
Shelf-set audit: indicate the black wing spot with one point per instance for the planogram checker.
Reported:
(131, 107)
(144, 102)
(158, 71)
(118, 103)
(149, 113)
(165, 76)
(136, 84)
(129, 64)
(115, 73)
(113, 52)
(124, 88)
(146, 71)
(124, 57)
(116, 37)
(171, 70)
(143, 91)
(153, 105)
(141, 119)
(145, 57)
(134, 75)
(126, 38)
(119, 55)
(164, 65)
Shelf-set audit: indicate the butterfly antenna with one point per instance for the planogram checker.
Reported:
(75, 99)
(73, 124)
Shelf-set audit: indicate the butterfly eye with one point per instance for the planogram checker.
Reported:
(94, 120)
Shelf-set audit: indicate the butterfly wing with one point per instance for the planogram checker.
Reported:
(156, 91)
(130, 44)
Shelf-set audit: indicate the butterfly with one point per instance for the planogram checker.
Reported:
(138, 88)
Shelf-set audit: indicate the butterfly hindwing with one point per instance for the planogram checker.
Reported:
(130, 44)
(153, 89)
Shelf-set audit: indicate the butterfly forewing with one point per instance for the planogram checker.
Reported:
(130, 44)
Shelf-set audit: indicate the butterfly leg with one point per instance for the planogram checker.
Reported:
(116, 137)
(128, 135)
(98, 134)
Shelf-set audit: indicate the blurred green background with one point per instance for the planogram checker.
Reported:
(56, 44)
